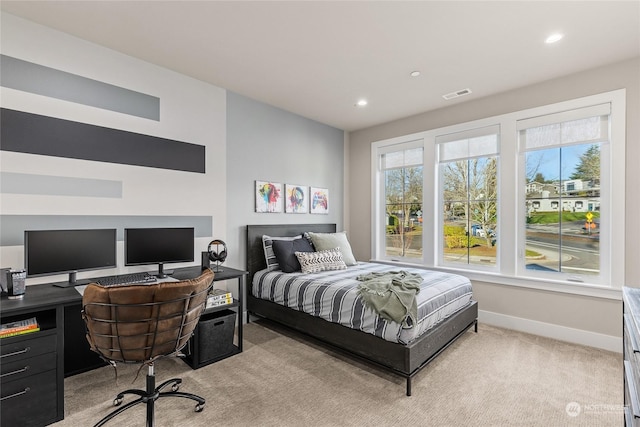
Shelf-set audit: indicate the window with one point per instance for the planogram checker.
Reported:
(468, 169)
(565, 150)
(403, 187)
(530, 198)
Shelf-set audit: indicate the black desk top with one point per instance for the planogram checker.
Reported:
(225, 273)
(38, 297)
(46, 295)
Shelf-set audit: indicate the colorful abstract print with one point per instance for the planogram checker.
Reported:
(319, 200)
(296, 199)
(268, 197)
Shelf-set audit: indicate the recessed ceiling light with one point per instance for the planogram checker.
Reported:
(556, 37)
(361, 103)
(415, 73)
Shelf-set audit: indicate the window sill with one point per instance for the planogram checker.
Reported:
(564, 287)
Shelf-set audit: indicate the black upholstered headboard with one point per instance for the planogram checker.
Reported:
(255, 252)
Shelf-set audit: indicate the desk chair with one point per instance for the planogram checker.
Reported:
(140, 323)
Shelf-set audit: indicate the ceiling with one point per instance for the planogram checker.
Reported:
(318, 58)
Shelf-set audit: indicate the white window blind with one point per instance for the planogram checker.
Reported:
(403, 158)
(480, 142)
(584, 125)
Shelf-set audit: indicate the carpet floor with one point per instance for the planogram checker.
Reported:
(496, 377)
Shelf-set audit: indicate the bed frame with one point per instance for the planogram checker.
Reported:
(403, 360)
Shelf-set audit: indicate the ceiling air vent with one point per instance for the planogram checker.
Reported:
(457, 94)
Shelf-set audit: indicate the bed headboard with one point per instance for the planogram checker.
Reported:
(255, 252)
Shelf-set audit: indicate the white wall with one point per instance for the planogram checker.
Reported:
(190, 111)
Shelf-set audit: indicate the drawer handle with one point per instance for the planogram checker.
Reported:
(23, 351)
(19, 371)
(631, 330)
(20, 393)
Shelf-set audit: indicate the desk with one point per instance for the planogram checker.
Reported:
(37, 392)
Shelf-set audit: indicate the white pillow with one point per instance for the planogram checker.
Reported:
(314, 262)
(269, 256)
(324, 241)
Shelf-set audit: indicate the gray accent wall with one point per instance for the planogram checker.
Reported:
(269, 144)
(34, 78)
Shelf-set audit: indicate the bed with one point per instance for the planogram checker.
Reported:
(401, 352)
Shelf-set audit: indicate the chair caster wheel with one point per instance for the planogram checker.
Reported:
(199, 407)
(117, 401)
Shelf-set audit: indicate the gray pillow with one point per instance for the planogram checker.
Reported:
(285, 252)
(326, 241)
(267, 245)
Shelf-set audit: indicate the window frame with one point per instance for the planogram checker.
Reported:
(444, 139)
(606, 208)
(511, 196)
(378, 224)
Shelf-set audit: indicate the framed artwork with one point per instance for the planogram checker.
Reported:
(268, 196)
(297, 198)
(319, 200)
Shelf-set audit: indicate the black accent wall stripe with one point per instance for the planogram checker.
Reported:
(36, 134)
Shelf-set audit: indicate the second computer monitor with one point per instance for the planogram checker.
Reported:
(145, 246)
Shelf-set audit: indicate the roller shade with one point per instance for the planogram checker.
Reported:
(479, 142)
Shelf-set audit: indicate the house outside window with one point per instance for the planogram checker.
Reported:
(566, 149)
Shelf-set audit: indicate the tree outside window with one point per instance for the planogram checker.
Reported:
(470, 204)
(468, 164)
(403, 188)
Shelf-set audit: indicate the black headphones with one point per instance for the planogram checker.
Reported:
(214, 255)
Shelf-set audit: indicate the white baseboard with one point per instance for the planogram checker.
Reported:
(549, 330)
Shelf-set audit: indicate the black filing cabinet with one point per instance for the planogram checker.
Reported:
(31, 381)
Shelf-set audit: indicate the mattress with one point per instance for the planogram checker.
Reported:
(333, 296)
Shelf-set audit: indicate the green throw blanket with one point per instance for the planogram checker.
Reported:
(392, 294)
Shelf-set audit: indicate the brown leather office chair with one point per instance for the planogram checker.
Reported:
(140, 323)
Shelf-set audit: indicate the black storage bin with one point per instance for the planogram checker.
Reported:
(213, 338)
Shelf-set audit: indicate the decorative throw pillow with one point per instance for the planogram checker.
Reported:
(324, 241)
(314, 262)
(269, 256)
(285, 253)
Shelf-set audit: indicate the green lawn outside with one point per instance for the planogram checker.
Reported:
(552, 217)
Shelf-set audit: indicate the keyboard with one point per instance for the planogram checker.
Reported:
(126, 279)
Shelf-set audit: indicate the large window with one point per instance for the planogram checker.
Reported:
(530, 198)
(403, 210)
(468, 167)
(563, 172)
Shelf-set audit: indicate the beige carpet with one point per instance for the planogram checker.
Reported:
(497, 377)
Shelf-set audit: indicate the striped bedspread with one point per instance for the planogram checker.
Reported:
(332, 295)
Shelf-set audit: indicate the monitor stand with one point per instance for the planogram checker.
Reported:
(72, 282)
(162, 273)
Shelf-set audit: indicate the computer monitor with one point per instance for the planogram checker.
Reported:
(49, 252)
(144, 246)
